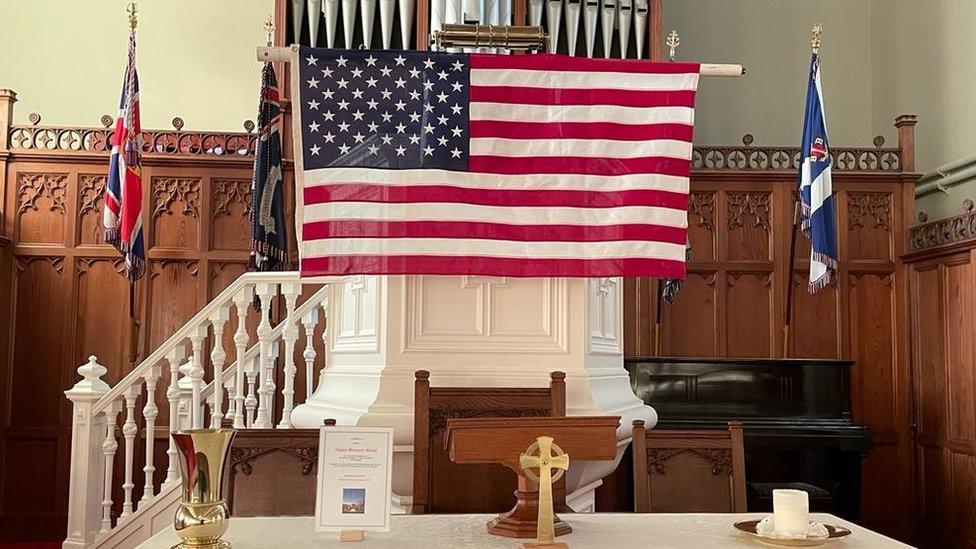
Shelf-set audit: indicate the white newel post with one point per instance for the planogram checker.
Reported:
(87, 435)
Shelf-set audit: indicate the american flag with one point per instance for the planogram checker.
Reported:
(122, 215)
(529, 165)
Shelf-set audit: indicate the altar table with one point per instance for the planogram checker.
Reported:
(590, 531)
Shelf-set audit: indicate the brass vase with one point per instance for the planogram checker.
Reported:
(202, 516)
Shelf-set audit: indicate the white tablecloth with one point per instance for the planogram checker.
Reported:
(590, 531)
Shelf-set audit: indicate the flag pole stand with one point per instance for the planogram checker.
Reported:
(133, 325)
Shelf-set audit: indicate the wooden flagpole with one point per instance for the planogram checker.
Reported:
(816, 31)
(133, 342)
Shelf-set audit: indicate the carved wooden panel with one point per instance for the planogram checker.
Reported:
(102, 315)
(172, 297)
(41, 207)
(869, 224)
(815, 332)
(175, 207)
(91, 191)
(221, 275)
(692, 321)
(230, 226)
(41, 307)
(748, 296)
(929, 333)
(749, 221)
(959, 304)
(701, 225)
(872, 346)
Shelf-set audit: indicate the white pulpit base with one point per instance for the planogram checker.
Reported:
(472, 331)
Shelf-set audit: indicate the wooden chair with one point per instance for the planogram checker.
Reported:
(272, 472)
(440, 486)
(689, 471)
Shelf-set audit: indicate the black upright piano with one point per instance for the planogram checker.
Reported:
(796, 417)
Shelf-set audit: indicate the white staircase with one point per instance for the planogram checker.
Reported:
(242, 392)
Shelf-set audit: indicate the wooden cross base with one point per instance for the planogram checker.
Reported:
(521, 521)
(544, 545)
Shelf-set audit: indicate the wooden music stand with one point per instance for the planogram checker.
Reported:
(502, 440)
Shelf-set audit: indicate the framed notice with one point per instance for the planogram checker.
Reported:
(355, 475)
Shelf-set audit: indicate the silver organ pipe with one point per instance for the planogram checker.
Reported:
(624, 15)
(572, 25)
(554, 10)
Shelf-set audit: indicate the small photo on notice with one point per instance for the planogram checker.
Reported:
(353, 501)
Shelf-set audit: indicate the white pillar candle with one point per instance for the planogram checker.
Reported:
(791, 512)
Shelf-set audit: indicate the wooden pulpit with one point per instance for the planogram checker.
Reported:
(503, 440)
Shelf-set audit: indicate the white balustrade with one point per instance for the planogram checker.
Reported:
(309, 320)
(150, 411)
(196, 376)
(109, 446)
(289, 336)
(217, 357)
(242, 300)
(174, 357)
(129, 431)
(193, 398)
(266, 292)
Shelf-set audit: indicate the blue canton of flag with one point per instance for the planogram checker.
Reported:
(816, 191)
(371, 110)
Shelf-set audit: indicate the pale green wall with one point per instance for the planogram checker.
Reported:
(65, 58)
(771, 38)
(928, 67)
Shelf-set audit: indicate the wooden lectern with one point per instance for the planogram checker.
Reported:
(502, 440)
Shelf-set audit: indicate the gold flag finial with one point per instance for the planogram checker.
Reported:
(816, 31)
(269, 27)
(673, 42)
(132, 15)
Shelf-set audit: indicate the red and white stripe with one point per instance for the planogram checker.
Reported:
(577, 167)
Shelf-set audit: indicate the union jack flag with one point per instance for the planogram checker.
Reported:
(122, 215)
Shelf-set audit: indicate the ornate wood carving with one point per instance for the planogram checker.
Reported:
(33, 186)
(702, 205)
(243, 457)
(22, 262)
(168, 190)
(749, 158)
(91, 190)
(720, 460)
(438, 418)
(873, 207)
(755, 204)
(943, 232)
(231, 191)
(163, 142)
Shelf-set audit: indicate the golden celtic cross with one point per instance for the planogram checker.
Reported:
(546, 462)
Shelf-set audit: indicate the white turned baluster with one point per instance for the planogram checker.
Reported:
(241, 301)
(196, 377)
(251, 403)
(263, 420)
(325, 338)
(185, 385)
(217, 357)
(309, 321)
(129, 431)
(109, 447)
(290, 336)
(174, 358)
(150, 411)
(231, 403)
